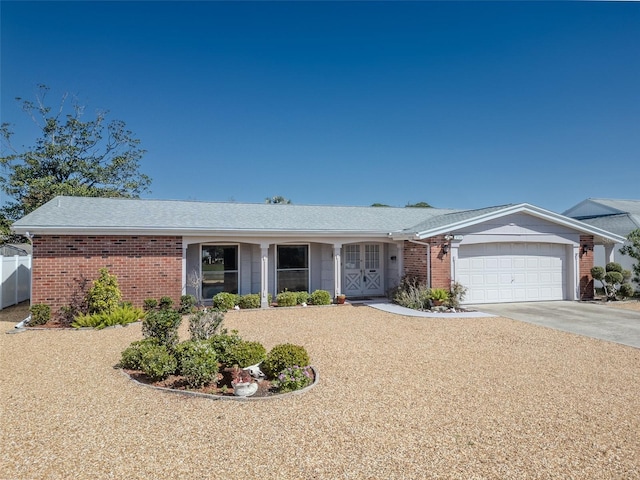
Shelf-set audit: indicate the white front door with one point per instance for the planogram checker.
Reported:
(363, 273)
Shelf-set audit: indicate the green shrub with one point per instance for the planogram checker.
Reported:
(40, 314)
(222, 343)
(284, 356)
(456, 294)
(287, 299)
(157, 362)
(132, 355)
(247, 353)
(197, 362)
(150, 304)
(321, 297)
(302, 297)
(613, 267)
(187, 304)
(251, 300)
(205, 323)
(439, 295)
(163, 326)
(626, 290)
(411, 293)
(225, 301)
(122, 315)
(104, 294)
(165, 303)
(293, 378)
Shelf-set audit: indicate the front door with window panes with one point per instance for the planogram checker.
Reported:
(219, 270)
(362, 265)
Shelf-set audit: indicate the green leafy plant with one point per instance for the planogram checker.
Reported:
(104, 294)
(187, 304)
(251, 300)
(411, 293)
(40, 314)
(626, 290)
(225, 301)
(456, 294)
(287, 299)
(439, 295)
(165, 303)
(611, 276)
(247, 353)
(131, 356)
(284, 356)
(302, 297)
(150, 304)
(157, 362)
(320, 297)
(122, 315)
(197, 362)
(293, 378)
(163, 326)
(205, 323)
(633, 250)
(222, 343)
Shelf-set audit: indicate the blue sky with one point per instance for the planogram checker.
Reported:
(462, 105)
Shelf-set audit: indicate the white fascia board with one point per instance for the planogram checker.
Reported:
(607, 237)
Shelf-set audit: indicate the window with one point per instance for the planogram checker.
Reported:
(293, 268)
(219, 269)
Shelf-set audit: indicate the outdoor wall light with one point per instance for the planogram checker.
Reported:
(585, 248)
(445, 248)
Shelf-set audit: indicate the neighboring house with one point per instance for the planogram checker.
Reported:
(501, 254)
(617, 216)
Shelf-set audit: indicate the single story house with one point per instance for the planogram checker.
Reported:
(505, 253)
(617, 216)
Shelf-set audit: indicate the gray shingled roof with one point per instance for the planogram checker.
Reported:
(625, 216)
(66, 215)
(623, 206)
(123, 214)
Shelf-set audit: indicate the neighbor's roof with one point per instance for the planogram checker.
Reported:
(87, 215)
(614, 215)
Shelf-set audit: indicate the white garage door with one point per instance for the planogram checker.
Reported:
(512, 272)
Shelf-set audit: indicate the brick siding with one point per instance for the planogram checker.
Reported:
(586, 263)
(415, 262)
(146, 266)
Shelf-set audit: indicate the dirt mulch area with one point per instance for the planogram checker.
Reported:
(625, 305)
(398, 398)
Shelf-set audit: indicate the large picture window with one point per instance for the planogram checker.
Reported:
(219, 270)
(293, 268)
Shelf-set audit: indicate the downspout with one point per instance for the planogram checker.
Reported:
(428, 245)
(26, 320)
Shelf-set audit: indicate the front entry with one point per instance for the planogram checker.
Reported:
(363, 272)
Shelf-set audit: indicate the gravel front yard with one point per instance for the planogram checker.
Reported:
(398, 398)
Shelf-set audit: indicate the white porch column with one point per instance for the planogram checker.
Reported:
(264, 275)
(184, 268)
(337, 272)
(609, 253)
(575, 251)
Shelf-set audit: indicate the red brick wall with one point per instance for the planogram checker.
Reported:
(415, 262)
(146, 266)
(586, 263)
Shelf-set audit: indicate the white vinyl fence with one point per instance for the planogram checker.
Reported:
(15, 272)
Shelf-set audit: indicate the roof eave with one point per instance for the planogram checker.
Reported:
(606, 237)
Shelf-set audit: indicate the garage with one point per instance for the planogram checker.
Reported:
(512, 272)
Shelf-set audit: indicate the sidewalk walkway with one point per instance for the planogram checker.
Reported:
(397, 309)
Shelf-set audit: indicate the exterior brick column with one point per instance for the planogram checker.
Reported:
(585, 264)
(415, 262)
(146, 266)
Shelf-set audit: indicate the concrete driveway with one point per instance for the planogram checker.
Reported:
(591, 320)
